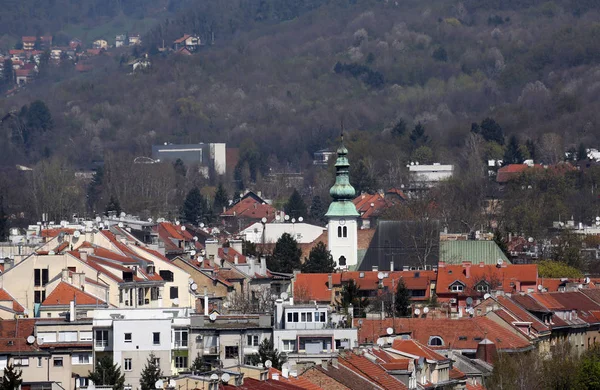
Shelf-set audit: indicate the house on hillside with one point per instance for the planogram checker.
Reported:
(187, 41)
(28, 42)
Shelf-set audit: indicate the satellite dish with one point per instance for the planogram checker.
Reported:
(278, 218)
(213, 316)
(177, 223)
(540, 287)
(499, 262)
(123, 214)
(183, 228)
(150, 220)
(76, 233)
(225, 377)
(530, 239)
(486, 296)
(263, 219)
(586, 280)
(293, 220)
(380, 275)
(226, 305)
(193, 286)
(597, 218)
(159, 384)
(380, 342)
(469, 301)
(426, 310)
(390, 331)
(40, 340)
(214, 377)
(202, 225)
(284, 295)
(417, 311)
(268, 364)
(195, 238)
(287, 217)
(190, 280)
(30, 339)
(193, 253)
(98, 219)
(300, 219)
(120, 224)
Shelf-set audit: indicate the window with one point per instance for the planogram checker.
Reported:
(181, 338)
(85, 336)
(157, 362)
(289, 316)
(101, 338)
(40, 277)
(345, 232)
(436, 341)
(156, 338)
(39, 296)
(39, 361)
(82, 358)
(231, 352)
(67, 336)
(457, 288)
(140, 296)
(339, 231)
(253, 340)
(342, 261)
(303, 317)
(58, 362)
(418, 293)
(127, 364)
(166, 275)
(181, 361)
(296, 317)
(127, 337)
(83, 382)
(174, 292)
(483, 287)
(289, 345)
(154, 293)
(21, 361)
(308, 317)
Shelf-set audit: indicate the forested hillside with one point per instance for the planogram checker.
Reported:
(408, 79)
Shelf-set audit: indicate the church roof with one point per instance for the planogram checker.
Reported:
(342, 191)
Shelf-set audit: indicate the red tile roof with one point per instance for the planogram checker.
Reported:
(517, 275)
(413, 347)
(296, 381)
(29, 39)
(520, 314)
(14, 333)
(51, 233)
(251, 208)
(372, 371)
(16, 306)
(369, 206)
(230, 256)
(255, 384)
(512, 171)
(182, 39)
(64, 293)
(465, 333)
(456, 374)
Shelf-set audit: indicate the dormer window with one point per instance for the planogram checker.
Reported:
(482, 287)
(457, 288)
(436, 341)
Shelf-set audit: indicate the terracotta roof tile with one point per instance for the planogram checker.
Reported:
(371, 370)
(64, 293)
(14, 335)
(511, 277)
(521, 314)
(296, 381)
(415, 348)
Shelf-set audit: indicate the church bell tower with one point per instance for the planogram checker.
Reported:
(342, 215)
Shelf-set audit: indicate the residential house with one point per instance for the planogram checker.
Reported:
(187, 41)
(269, 233)
(28, 42)
(427, 175)
(249, 209)
(75, 44)
(176, 240)
(120, 40)
(370, 207)
(464, 286)
(134, 39)
(10, 308)
(352, 370)
(323, 156)
(24, 76)
(130, 336)
(443, 334)
(308, 334)
(100, 44)
(211, 158)
(229, 339)
(326, 288)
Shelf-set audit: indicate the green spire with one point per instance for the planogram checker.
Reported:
(342, 191)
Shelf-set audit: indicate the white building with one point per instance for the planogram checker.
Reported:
(269, 233)
(307, 333)
(430, 174)
(130, 336)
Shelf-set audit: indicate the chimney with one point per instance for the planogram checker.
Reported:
(205, 301)
(83, 255)
(285, 372)
(467, 266)
(442, 264)
(237, 245)
(279, 314)
(236, 259)
(64, 276)
(375, 268)
(71, 311)
(263, 265)
(78, 279)
(334, 362)
(391, 265)
(212, 248)
(486, 351)
(330, 281)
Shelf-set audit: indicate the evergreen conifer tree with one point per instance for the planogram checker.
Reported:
(221, 199)
(402, 299)
(11, 380)
(286, 255)
(113, 205)
(193, 208)
(150, 374)
(295, 206)
(319, 260)
(107, 374)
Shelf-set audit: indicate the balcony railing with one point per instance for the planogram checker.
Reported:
(101, 343)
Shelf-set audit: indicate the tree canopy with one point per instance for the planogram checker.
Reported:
(319, 260)
(286, 255)
(107, 374)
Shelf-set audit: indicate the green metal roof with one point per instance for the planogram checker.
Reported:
(455, 252)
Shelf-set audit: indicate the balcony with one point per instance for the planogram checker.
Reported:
(211, 350)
